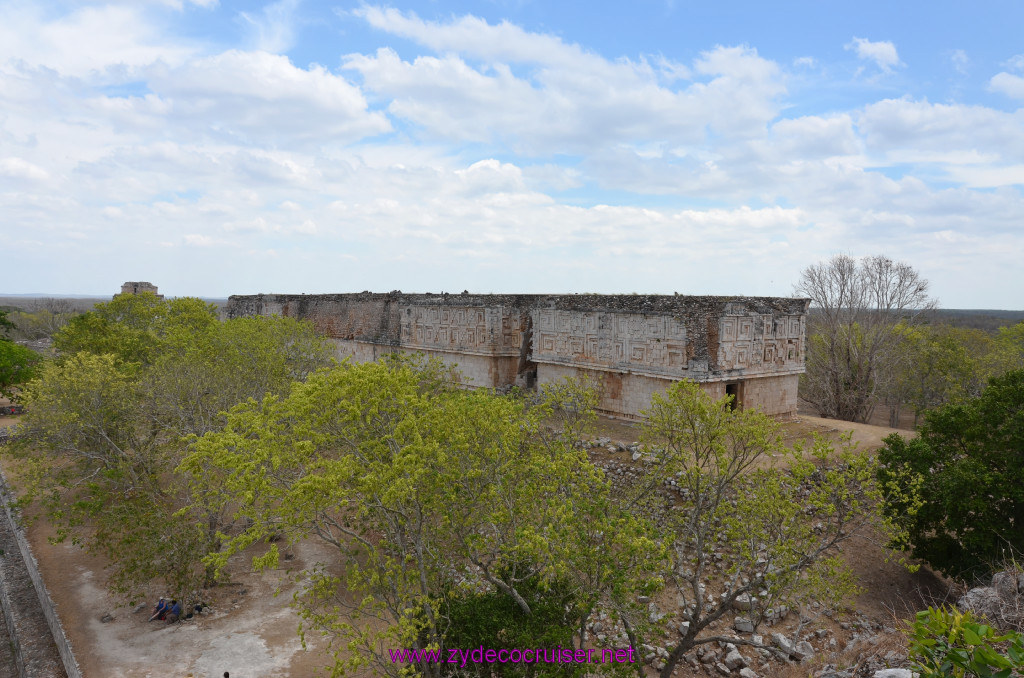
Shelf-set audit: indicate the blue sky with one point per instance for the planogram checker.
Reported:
(216, 148)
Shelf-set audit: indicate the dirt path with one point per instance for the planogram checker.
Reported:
(249, 632)
(867, 436)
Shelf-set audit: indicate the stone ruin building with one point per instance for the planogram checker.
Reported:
(139, 287)
(748, 347)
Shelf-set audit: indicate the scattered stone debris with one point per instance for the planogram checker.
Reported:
(1002, 602)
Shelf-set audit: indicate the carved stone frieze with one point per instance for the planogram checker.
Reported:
(655, 343)
(760, 343)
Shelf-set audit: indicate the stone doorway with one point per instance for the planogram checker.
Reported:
(735, 390)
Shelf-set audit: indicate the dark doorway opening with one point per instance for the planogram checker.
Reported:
(734, 391)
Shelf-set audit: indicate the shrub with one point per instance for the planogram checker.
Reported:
(956, 488)
(952, 644)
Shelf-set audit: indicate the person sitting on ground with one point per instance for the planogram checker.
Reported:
(175, 612)
(160, 611)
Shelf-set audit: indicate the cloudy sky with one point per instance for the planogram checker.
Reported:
(217, 147)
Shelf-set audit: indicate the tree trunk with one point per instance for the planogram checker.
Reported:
(894, 415)
(685, 645)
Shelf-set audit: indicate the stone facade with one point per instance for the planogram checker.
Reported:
(140, 287)
(750, 347)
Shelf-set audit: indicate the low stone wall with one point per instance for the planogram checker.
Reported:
(11, 626)
(38, 665)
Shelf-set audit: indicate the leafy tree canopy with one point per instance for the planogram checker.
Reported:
(6, 325)
(18, 365)
(107, 424)
(135, 328)
(441, 504)
(1009, 349)
(460, 516)
(957, 486)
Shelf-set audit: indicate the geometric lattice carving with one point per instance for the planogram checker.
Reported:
(609, 339)
(760, 343)
(473, 328)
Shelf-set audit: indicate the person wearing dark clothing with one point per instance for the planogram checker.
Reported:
(160, 611)
(175, 612)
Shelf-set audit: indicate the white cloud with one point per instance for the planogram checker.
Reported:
(18, 168)
(490, 176)
(812, 137)
(549, 176)
(566, 99)
(504, 42)
(924, 126)
(987, 176)
(1008, 84)
(882, 53)
(180, 4)
(252, 98)
(200, 240)
(89, 40)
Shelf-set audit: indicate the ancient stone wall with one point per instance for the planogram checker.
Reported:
(636, 344)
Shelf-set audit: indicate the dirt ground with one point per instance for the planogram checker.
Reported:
(879, 416)
(251, 632)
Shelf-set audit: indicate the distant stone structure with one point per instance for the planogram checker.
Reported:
(139, 287)
(749, 347)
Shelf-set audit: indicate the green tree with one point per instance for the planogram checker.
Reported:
(952, 366)
(135, 328)
(742, 528)
(957, 488)
(104, 432)
(6, 325)
(933, 365)
(1008, 350)
(440, 503)
(484, 619)
(18, 365)
(102, 477)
